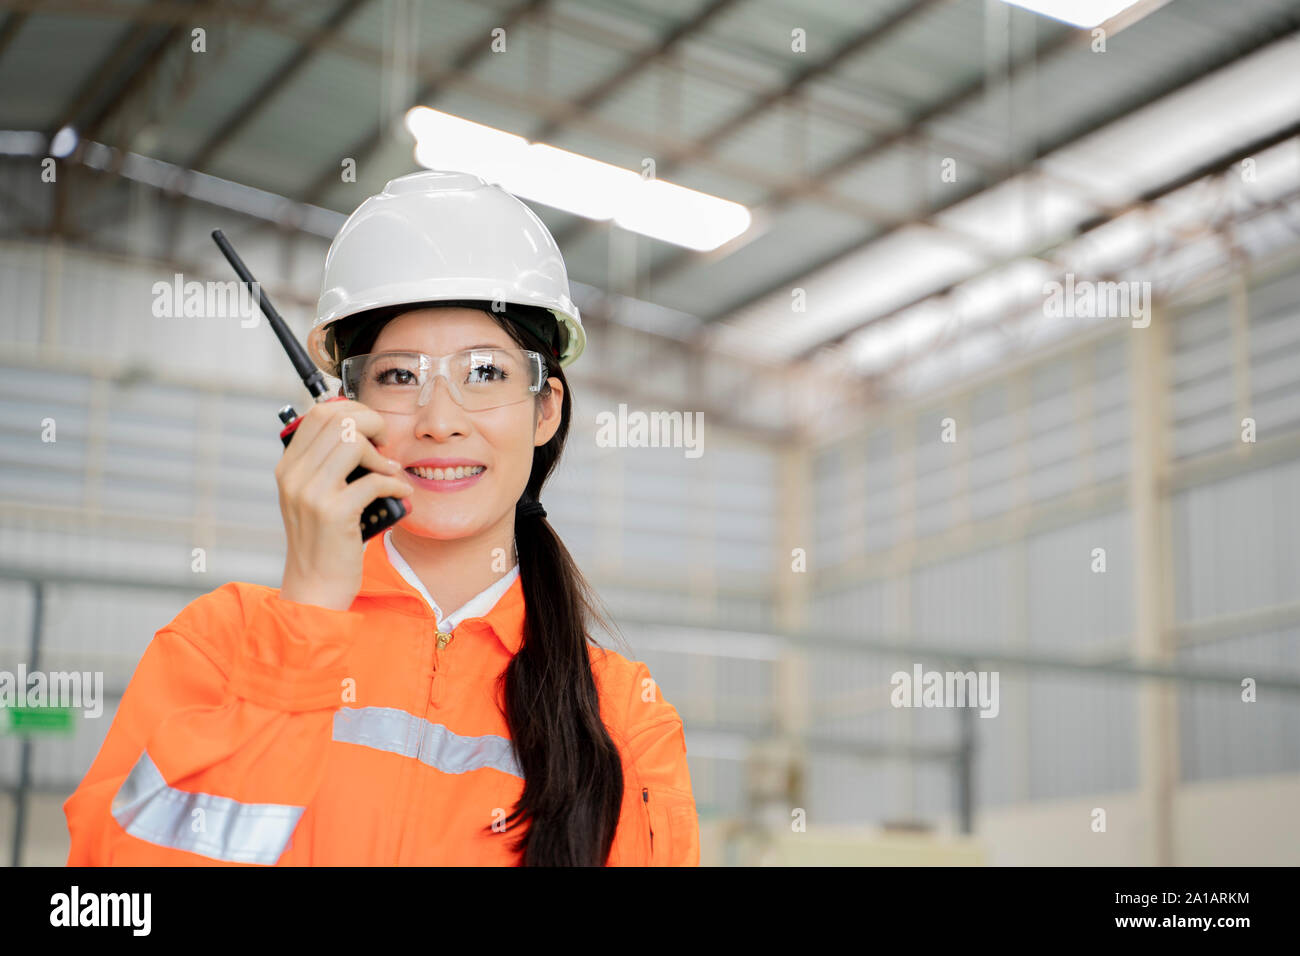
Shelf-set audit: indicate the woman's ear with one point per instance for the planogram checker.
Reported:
(550, 407)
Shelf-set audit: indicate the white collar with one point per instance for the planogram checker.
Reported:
(476, 606)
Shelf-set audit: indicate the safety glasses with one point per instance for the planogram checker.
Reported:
(478, 379)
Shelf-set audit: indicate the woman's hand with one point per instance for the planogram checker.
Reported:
(321, 511)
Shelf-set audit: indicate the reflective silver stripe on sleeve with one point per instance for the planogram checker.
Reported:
(396, 731)
(148, 809)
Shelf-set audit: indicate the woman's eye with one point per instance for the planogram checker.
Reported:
(487, 373)
(395, 376)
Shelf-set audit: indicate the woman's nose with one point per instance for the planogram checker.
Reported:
(439, 412)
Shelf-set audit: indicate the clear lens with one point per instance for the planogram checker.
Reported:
(402, 382)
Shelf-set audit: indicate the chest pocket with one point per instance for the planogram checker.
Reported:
(672, 826)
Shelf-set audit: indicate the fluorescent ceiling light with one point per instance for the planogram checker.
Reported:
(683, 216)
(64, 143)
(574, 183)
(1081, 13)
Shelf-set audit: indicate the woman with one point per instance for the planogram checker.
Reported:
(344, 718)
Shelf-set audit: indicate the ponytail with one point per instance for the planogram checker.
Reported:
(573, 775)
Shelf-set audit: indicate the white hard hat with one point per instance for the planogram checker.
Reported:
(438, 236)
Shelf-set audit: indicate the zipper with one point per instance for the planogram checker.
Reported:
(645, 802)
(441, 640)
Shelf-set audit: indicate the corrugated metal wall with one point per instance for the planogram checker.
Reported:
(988, 541)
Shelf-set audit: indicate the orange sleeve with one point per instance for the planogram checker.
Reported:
(656, 750)
(221, 737)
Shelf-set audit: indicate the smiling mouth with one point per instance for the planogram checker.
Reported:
(447, 474)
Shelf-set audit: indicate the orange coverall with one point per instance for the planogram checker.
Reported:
(257, 731)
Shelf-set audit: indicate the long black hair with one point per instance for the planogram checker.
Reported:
(573, 776)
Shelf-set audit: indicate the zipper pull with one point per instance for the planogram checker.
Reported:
(438, 684)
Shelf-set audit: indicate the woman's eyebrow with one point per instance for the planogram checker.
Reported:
(482, 345)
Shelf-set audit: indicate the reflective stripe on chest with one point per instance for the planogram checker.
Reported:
(395, 731)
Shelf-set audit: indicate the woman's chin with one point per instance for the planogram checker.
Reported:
(443, 528)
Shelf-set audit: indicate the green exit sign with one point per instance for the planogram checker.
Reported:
(36, 720)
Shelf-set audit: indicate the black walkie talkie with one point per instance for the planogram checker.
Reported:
(382, 512)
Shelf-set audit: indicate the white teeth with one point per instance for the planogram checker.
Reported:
(446, 474)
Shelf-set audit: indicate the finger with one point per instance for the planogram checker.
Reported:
(330, 424)
(364, 419)
(326, 445)
(374, 485)
(338, 464)
(310, 422)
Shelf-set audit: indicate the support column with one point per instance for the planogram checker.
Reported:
(1157, 700)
